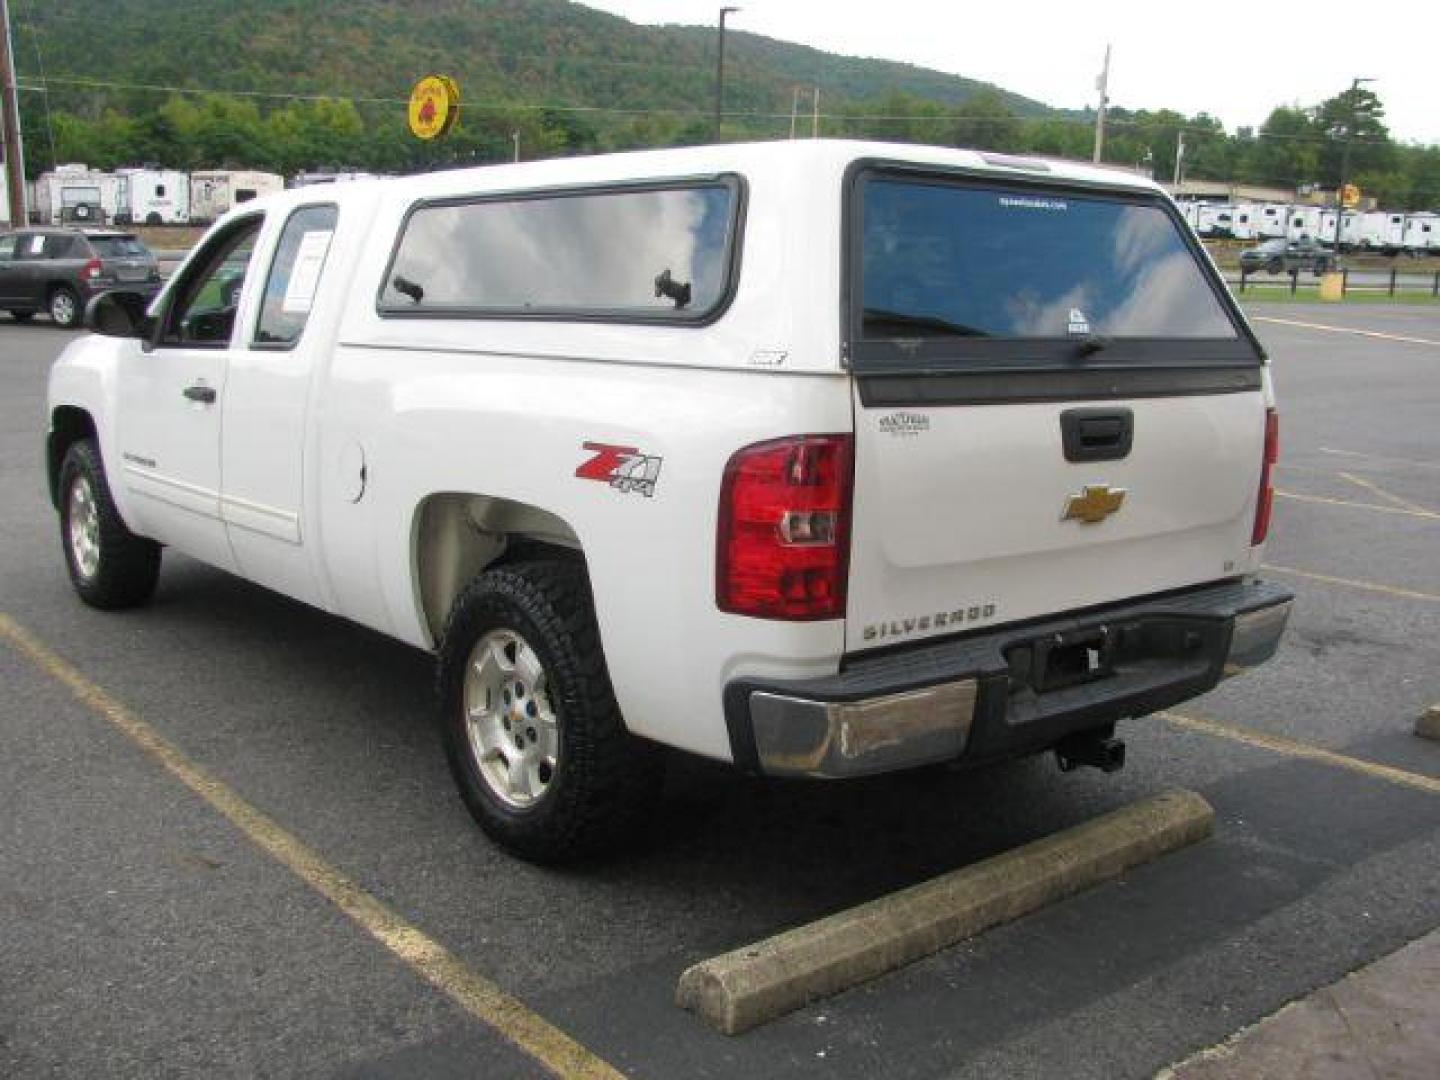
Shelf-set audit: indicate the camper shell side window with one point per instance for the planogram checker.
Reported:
(645, 252)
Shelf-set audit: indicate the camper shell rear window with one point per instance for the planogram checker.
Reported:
(959, 272)
(646, 252)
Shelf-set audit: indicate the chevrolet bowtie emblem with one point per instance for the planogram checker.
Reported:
(1094, 504)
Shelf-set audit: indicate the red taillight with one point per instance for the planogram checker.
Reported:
(784, 538)
(1266, 499)
(92, 269)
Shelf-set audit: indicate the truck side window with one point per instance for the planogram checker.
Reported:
(202, 311)
(294, 276)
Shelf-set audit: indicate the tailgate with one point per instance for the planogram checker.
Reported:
(971, 515)
(1057, 405)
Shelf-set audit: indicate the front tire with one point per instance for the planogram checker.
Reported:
(110, 567)
(64, 307)
(532, 731)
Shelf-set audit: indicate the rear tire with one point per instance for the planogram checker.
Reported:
(1274, 266)
(532, 732)
(110, 567)
(64, 307)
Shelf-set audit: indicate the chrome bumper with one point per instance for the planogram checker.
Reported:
(851, 738)
(971, 701)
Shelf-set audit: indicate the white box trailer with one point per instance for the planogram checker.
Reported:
(1350, 236)
(1422, 233)
(1382, 230)
(1270, 220)
(1214, 219)
(153, 197)
(213, 193)
(1245, 221)
(1304, 222)
(76, 195)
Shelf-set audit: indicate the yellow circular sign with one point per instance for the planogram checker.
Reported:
(1350, 196)
(434, 107)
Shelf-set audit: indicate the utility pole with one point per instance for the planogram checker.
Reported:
(515, 138)
(1347, 133)
(815, 116)
(720, 69)
(10, 121)
(794, 108)
(1179, 177)
(1103, 85)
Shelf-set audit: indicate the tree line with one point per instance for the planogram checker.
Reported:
(1295, 146)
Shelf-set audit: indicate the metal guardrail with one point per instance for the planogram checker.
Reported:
(1367, 282)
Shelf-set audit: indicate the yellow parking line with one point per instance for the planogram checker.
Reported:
(1376, 489)
(1280, 745)
(425, 956)
(1368, 586)
(1346, 330)
(1409, 462)
(1411, 512)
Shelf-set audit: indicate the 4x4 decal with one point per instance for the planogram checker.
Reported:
(622, 467)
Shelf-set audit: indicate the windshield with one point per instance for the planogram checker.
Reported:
(110, 247)
(946, 259)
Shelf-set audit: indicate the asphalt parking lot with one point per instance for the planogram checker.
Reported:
(145, 934)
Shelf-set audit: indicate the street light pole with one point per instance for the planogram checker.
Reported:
(1345, 165)
(720, 69)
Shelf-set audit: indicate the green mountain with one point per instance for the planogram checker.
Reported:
(291, 85)
(502, 52)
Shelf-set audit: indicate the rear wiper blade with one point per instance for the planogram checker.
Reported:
(901, 320)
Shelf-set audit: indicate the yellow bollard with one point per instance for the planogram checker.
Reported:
(1332, 286)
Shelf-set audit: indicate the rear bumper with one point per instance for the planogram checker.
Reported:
(993, 696)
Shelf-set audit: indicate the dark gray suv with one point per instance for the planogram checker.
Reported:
(58, 271)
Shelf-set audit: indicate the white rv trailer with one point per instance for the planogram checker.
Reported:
(76, 195)
(153, 197)
(307, 179)
(213, 193)
(1422, 233)
(1350, 235)
(1304, 221)
(1382, 230)
(1214, 219)
(1270, 220)
(1245, 221)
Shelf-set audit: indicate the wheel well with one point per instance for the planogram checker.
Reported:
(68, 425)
(457, 535)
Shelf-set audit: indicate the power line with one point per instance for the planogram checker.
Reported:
(87, 82)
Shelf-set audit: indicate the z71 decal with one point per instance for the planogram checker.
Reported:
(622, 467)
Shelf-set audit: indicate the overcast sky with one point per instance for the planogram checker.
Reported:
(1236, 61)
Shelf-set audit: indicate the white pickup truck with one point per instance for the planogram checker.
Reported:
(822, 458)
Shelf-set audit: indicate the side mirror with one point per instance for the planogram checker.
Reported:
(118, 314)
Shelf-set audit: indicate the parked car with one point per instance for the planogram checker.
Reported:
(936, 472)
(58, 271)
(1282, 256)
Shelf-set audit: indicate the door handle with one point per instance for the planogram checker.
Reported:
(205, 394)
(1096, 434)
